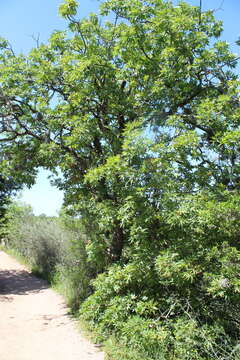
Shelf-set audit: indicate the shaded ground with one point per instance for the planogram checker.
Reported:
(34, 324)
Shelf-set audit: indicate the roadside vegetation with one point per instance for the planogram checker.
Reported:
(53, 248)
(176, 305)
(139, 109)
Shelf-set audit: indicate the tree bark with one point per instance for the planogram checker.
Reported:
(116, 247)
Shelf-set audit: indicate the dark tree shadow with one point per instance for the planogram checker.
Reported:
(20, 282)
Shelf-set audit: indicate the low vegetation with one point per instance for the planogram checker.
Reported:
(54, 248)
(179, 302)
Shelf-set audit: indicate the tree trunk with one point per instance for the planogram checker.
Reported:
(116, 247)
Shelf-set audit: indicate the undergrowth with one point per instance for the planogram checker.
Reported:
(179, 302)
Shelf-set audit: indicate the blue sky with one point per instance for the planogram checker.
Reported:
(21, 21)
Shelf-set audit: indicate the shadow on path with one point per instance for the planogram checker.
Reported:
(20, 282)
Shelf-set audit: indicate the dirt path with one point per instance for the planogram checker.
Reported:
(34, 324)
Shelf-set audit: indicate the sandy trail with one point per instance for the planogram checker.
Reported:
(34, 324)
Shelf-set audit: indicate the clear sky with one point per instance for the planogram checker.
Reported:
(22, 21)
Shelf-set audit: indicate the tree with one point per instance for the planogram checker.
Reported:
(141, 114)
(76, 102)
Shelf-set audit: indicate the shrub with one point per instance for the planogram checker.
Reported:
(39, 239)
(180, 300)
(73, 273)
(54, 248)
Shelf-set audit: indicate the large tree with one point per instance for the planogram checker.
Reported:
(81, 101)
(139, 109)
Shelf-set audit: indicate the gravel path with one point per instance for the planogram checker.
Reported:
(34, 324)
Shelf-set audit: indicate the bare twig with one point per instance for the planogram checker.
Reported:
(36, 39)
(200, 12)
(220, 7)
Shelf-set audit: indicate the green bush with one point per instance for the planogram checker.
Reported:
(54, 248)
(38, 238)
(73, 273)
(181, 300)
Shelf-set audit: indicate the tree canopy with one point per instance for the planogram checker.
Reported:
(85, 102)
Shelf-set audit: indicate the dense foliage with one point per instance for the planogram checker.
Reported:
(8, 187)
(177, 297)
(140, 112)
